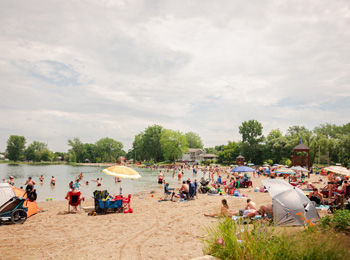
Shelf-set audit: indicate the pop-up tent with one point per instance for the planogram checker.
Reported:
(287, 201)
(7, 192)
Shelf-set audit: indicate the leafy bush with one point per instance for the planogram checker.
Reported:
(340, 220)
(229, 240)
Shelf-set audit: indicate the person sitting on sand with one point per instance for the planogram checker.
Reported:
(224, 211)
(316, 196)
(185, 189)
(69, 194)
(268, 210)
(250, 205)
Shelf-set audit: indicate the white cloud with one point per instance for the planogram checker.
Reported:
(111, 68)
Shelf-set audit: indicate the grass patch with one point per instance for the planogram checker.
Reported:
(230, 240)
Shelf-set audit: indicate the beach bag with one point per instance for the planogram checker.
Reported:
(32, 196)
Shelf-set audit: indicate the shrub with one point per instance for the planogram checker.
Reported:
(340, 220)
(229, 240)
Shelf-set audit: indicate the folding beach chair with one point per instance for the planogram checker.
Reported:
(74, 200)
(168, 191)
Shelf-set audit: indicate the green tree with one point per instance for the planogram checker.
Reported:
(194, 140)
(109, 149)
(33, 151)
(78, 148)
(15, 147)
(151, 147)
(47, 155)
(229, 152)
(252, 138)
(174, 144)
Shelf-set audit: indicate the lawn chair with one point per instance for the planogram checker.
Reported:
(74, 200)
(126, 204)
(168, 191)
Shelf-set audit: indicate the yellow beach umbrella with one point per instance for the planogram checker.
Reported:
(338, 170)
(122, 172)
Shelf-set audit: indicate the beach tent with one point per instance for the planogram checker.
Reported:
(7, 192)
(287, 201)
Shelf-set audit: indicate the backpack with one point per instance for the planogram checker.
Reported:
(32, 196)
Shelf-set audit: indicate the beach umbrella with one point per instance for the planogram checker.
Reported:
(242, 169)
(122, 172)
(250, 164)
(299, 169)
(266, 165)
(284, 171)
(338, 170)
(287, 202)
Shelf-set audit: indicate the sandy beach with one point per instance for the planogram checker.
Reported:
(156, 230)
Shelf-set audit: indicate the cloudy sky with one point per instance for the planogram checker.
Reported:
(94, 69)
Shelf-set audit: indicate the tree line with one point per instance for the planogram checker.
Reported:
(328, 143)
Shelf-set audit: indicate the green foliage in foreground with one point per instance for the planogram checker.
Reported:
(229, 240)
(340, 220)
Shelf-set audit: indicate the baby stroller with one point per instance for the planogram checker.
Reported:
(13, 210)
(203, 188)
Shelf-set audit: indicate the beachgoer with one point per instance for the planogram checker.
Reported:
(80, 176)
(331, 182)
(160, 177)
(184, 190)
(179, 176)
(69, 193)
(116, 179)
(98, 182)
(86, 183)
(224, 211)
(71, 185)
(250, 205)
(30, 184)
(77, 184)
(268, 210)
(53, 181)
(10, 181)
(316, 196)
(41, 179)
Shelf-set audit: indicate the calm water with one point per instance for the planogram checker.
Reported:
(65, 173)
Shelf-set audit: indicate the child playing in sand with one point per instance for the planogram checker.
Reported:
(224, 211)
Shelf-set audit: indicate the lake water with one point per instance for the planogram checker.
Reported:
(66, 173)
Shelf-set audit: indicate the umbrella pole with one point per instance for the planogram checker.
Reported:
(120, 190)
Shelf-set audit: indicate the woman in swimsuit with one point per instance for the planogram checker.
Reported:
(30, 184)
(316, 196)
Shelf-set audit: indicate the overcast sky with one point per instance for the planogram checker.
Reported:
(111, 69)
